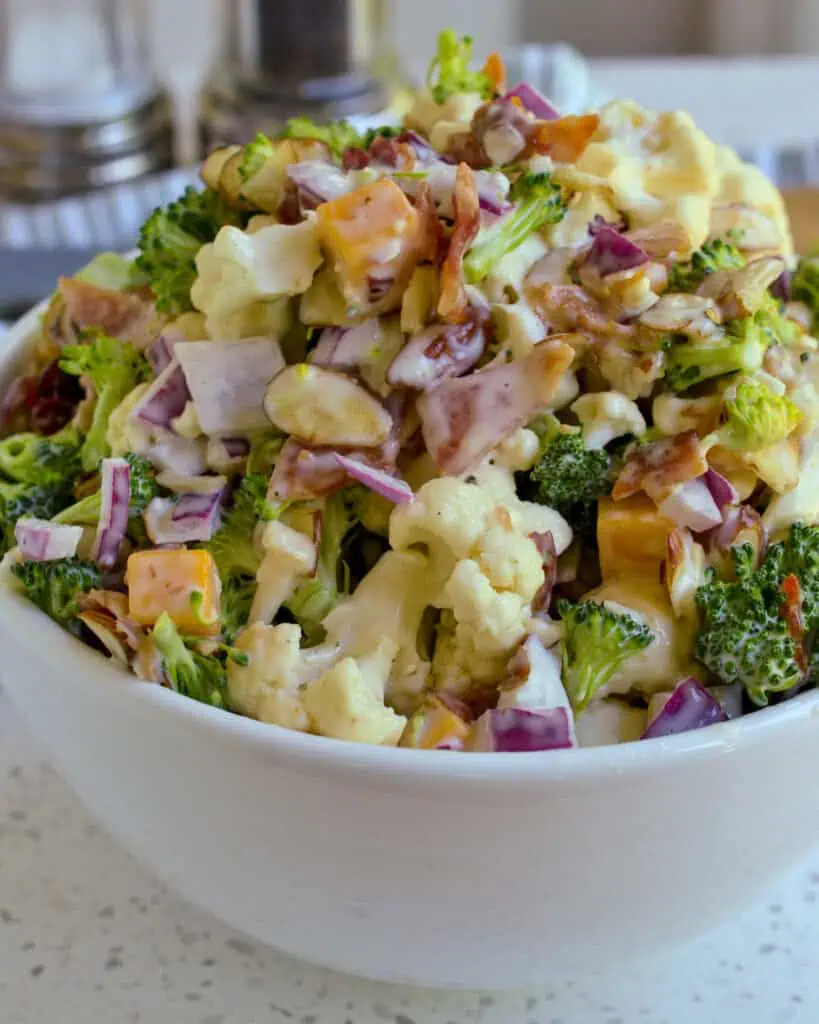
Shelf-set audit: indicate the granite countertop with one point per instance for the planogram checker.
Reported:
(88, 936)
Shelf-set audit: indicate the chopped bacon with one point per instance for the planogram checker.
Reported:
(439, 351)
(794, 619)
(564, 139)
(289, 209)
(303, 473)
(567, 307)
(465, 417)
(464, 148)
(495, 71)
(545, 544)
(80, 306)
(354, 158)
(657, 468)
(392, 153)
(430, 232)
(453, 305)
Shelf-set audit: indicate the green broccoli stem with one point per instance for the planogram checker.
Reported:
(504, 236)
(688, 364)
(85, 512)
(171, 646)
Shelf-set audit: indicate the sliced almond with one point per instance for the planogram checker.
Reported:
(675, 311)
(324, 407)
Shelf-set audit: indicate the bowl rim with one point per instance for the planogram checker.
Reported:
(24, 624)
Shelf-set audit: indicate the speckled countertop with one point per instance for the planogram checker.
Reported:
(87, 936)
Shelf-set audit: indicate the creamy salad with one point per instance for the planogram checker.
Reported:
(496, 430)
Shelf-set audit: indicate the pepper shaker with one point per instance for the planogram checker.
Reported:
(323, 59)
(79, 105)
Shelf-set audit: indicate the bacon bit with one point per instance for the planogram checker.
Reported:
(658, 467)
(564, 139)
(354, 158)
(545, 543)
(792, 614)
(81, 306)
(453, 305)
(393, 153)
(303, 473)
(430, 232)
(289, 210)
(495, 71)
(465, 148)
(568, 308)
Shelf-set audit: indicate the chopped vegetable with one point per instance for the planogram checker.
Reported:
(756, 417)
(56, 586)
(143, 489)
(596, 643)
(198, 676)
(741, 350)
(33, 459)
(115, 368)
(449, 70)
(713, 256)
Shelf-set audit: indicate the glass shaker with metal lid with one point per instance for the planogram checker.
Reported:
(79, 105)
(323, 59)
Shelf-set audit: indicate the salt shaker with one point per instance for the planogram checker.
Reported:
(323, 59)
(79, 105)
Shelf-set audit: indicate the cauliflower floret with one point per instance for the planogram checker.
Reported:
(347, 701)
(505, 281)
(488, 620)
(510, 560)
(606, 415)
(456, 111)
(498, 484)
(124, 434)
(288, 557)
(801, 504)
(267, 688)
(518, 452)
(517, 328)
(238, 269)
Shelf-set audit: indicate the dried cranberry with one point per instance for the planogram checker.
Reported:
(56, 383)
(49, 415)
(354, 159)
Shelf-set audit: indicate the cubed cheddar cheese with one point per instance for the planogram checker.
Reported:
(433, 726)
(166, 580)
(632, 537)
(372, 237)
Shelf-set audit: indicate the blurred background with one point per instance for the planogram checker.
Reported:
(114, 101)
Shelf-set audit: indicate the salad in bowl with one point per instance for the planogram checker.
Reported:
(495, 430)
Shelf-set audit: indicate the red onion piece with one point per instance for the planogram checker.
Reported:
(598, 222)
(227, 381)
(722, 490)
(692, 506)
(534, 101)
(194, 517)
(689, 707)
(115, 489)
(612, 253)
(781, 288)
(420, 146)
(42, 541)
(303, 473)
(517, 730)
(165, 399)
(176, 454)
(160, 354)
(389, 487)
(347, 347)
(318, 182)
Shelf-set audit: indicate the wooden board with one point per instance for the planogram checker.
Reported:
(803, 207)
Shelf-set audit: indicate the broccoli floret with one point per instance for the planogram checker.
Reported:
(797, 555)
(198, 676)
(386, 131)
(742, 349)
(596, 642)
(757, 417)
(144, 489)
(115, 368)
(805, 285)
(713, 256)
(33, 500)
(540, 201)
(170, 239)
(449, 70)
(744, 638)
(264, 451)
(232, 545)
(237, 597)
(317, 595)
(571, 478)
(33, 459)
(55, 587)
(338, 135)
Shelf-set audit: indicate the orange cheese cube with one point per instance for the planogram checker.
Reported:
(372, 237)
(433, 725)
(632, 537)
(166, 581)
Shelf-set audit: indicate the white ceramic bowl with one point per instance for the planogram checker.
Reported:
(455, 870)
